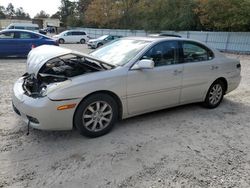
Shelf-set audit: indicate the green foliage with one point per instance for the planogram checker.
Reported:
(2, 12)
(220, 15)
(157, 15)
(225, 15)
(10, 12)
(42, 14)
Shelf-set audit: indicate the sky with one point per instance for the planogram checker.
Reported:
(34, 6)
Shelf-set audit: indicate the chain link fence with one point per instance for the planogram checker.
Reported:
(224, 41)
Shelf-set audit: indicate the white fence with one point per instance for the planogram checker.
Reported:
(224, 41)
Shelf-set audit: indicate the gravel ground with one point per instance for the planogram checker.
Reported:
(187, 146)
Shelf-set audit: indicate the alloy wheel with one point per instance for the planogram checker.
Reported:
(215, 94)
(97, 116)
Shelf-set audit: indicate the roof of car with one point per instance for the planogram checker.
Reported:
(20, 30)
(75, 30)
(23, 30)
(152, 39)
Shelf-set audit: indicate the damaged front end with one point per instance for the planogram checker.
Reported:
(57, 72)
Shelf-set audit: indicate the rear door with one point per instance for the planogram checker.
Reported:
(25, 41)
(198, 71)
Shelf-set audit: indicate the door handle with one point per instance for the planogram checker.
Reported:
(213, 67)
(177, 72)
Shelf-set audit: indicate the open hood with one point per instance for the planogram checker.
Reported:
(51, 66)
(40, 55)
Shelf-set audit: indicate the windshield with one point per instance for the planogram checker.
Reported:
(120, 52)
(103, 37)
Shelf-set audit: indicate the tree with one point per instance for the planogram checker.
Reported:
(42, 14)
(10, 11)
(103, 13)
(20, 14)
(224, 15)
(56, 15)
(2, 12)
(67, 9)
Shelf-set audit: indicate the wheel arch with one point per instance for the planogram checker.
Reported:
(61, 39)
(110, 93)
(83, 40)
(224, 81)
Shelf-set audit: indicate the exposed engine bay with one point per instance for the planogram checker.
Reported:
(59, 69)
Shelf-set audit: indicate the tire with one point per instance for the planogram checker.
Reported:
(96, 115)
(99, 44)
(82, 41)
(61, 41)
(215, 94)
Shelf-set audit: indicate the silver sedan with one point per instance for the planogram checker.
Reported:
(62, 89)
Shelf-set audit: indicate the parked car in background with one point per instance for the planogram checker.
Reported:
(95, 43)
(14, 42)
(43, 31)
(72, 36)
(63, 89)
(24, 26)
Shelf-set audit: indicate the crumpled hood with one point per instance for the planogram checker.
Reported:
(40, 55)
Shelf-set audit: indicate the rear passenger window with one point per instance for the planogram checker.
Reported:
(19, 27)
(164, 53)
(25, 36)
(8, 35)
(78, 33)
(194, 52)
(34, 36)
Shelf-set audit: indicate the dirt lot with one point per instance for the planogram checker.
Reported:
(188, 146)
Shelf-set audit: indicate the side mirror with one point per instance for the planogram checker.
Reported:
(143, 64)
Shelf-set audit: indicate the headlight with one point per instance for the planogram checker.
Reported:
(45, 90)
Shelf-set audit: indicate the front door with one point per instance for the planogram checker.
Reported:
(7, 43)
(152, 89)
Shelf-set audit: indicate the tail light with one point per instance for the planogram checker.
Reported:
(33, 46)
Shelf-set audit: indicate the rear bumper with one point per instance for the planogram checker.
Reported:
(233, 82)
(42, 112)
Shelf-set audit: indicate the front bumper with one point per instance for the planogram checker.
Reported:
(91, 45)
(42, 112)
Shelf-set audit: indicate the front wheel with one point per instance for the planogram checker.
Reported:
(99, 45)
(96, 115)
(215, 94)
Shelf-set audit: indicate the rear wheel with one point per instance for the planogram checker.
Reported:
(61, 41)
(82, 41)
(215, 94)
(96, 115)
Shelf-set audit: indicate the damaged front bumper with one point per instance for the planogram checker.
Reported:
(42, 113)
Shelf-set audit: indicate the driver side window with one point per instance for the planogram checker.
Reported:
(164, 53)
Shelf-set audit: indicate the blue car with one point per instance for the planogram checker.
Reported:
(14, 42)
